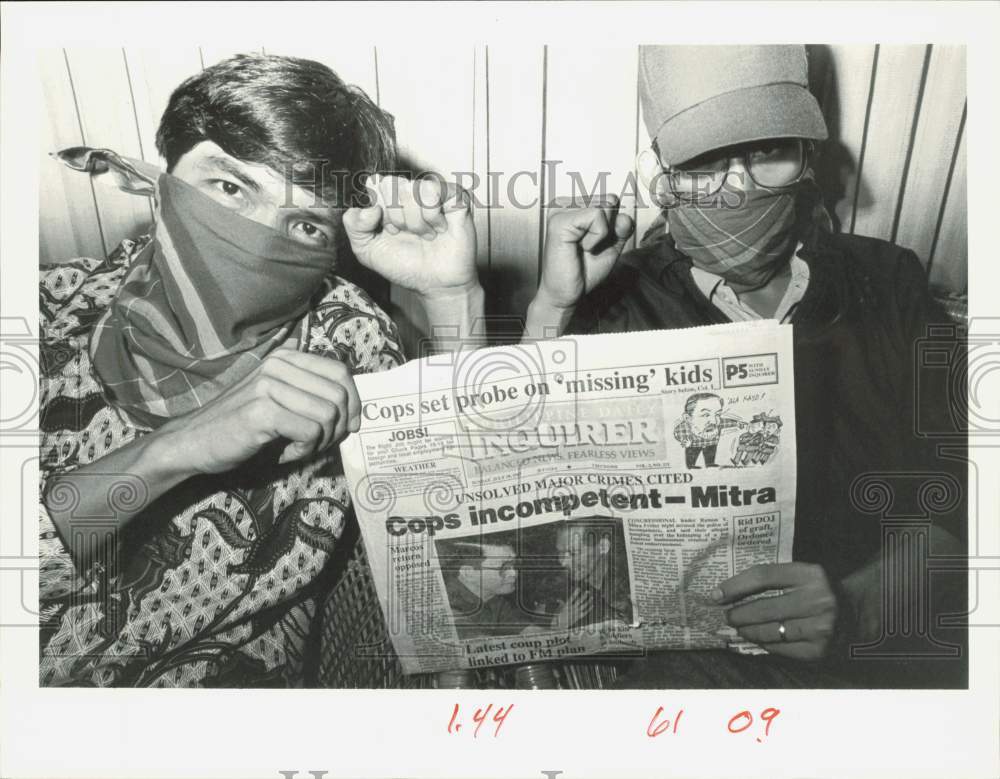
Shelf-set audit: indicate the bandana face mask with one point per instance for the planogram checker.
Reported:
(201, 306)
(745, 245)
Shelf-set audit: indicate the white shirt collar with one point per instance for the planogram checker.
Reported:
(721, 295)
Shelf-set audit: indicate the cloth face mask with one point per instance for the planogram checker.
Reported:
(745, 245)
(202, 305)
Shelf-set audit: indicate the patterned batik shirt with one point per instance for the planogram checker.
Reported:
(218, 583)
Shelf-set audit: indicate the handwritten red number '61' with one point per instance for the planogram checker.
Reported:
(655, 728)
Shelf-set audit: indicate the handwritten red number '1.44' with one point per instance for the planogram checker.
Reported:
(479, 717)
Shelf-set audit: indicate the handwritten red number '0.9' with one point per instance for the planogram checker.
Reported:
(767, 715)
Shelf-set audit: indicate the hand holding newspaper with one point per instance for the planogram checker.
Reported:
(576, 496)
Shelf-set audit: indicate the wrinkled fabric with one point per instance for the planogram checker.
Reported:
(206, 300)
(859, 330)
(746, 245)
(217, 584)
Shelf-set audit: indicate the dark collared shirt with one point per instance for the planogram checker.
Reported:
(476, 618)
(857, 328)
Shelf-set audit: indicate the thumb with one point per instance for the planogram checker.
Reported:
(624, 227)
(360, 224)
(457, 206)
(296, 450)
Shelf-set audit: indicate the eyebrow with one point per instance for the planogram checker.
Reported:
(227, 165)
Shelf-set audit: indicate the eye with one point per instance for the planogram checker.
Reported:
(309, 233)
(775, 149)
(227, 188)
(227, 193)
(710, 162)
(768, 148)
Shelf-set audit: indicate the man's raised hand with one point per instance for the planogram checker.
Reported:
(418, 234)
(581, 247)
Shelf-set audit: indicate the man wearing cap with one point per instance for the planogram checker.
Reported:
(769, 441)
(749, 441)
(733, 131)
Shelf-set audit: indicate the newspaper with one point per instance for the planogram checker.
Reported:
(574, 496)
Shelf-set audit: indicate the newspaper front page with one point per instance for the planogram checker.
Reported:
(574, 496)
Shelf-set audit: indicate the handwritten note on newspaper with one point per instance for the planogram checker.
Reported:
(575, 496)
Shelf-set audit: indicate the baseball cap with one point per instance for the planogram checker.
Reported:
(698, 98)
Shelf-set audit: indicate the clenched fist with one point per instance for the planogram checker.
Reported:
(305, 399)
(581, 247)
(418, 234)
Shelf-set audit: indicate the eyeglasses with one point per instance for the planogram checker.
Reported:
(503, 569)
(771, 164)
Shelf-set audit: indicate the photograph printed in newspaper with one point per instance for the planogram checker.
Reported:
(575, 496)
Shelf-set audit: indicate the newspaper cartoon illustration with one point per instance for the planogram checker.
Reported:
(770, 439)
(749, 442)
(759, 443)
(698, 430)
(703, 424)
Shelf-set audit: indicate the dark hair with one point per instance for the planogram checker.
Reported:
(293, 115)
(457, 553)
(694, 399)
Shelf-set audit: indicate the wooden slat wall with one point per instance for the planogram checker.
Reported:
(106, 111)
(891, 119)
(68, 220)
(933, 151)
(515, 144)
(590, 122)
(431, 93)
(153, 75)
(894, 167)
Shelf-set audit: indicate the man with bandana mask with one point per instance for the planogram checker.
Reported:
(196, 382)
(733, 130)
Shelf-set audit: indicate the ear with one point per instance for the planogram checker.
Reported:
(651, 174)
